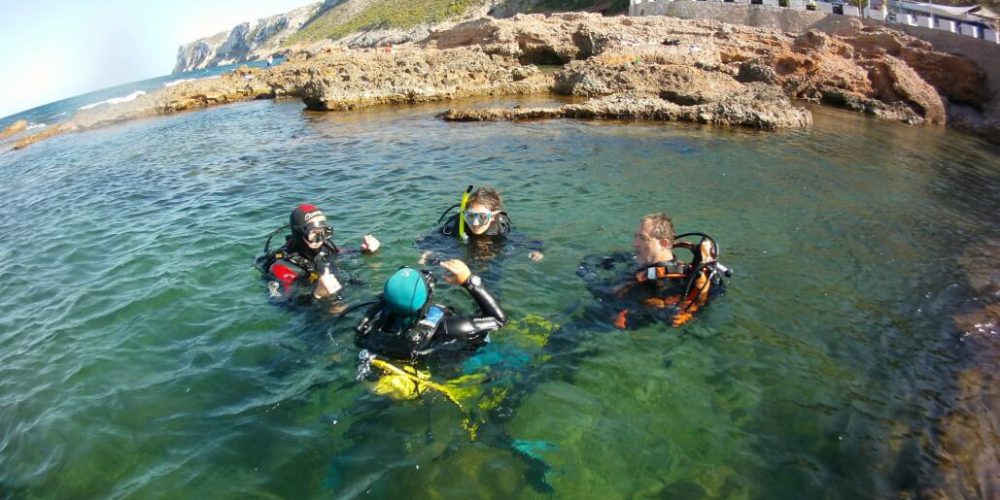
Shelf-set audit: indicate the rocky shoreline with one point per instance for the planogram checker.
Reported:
(650, 68)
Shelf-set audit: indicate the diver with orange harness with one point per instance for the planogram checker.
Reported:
(662, 288)
(304, 266)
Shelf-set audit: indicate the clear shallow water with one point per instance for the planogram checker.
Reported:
(139, 355)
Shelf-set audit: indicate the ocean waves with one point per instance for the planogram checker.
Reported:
(115, 100)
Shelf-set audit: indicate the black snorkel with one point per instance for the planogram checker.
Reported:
(260, 261)
(329, 245)
(267, 243)
(447, 211)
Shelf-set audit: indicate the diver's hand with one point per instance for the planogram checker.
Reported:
(369, 244)
(327, 285)
(459, 271)
(425, 257)
(535, 255)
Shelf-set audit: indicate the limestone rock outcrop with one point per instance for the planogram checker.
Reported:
(364, 78)
(647, 67)
(756, 106)
(878, 71)
(13, 128)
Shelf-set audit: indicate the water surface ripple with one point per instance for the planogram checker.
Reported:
(139, 356)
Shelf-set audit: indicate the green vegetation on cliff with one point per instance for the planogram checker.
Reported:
(351, 16)
(338, 21)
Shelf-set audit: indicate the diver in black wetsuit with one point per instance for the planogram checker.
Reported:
(406, 324)
(484, 226)
(654, 286)
(304, 266)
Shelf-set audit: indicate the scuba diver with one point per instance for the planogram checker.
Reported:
(303, 267)
(405, 323)
(662, 288)
(484, 226)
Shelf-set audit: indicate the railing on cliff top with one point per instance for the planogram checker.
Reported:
(893, 13)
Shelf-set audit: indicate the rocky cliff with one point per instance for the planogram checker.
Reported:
(245, 42)
(362, 23)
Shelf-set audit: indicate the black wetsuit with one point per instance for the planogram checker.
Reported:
(292, 270)
(384, 334)
(485, 253)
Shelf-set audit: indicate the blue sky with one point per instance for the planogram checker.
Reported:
(61, 48)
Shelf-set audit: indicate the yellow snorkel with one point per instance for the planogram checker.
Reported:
(461, 213)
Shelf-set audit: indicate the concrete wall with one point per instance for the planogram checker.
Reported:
(752, 15)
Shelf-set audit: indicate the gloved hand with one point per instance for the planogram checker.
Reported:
(369, 244)
(327, 284)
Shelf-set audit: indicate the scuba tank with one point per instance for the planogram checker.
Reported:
(715, 270)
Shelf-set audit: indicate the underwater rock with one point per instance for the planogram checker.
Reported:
(967, 431)
(966, 434)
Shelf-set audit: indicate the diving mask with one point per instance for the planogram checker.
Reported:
(318, 234)
(479, 217)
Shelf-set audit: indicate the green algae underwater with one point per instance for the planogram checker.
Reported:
(140, 357)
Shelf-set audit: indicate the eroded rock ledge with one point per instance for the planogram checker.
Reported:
(643, 68)
(768, 112)
(705, 67)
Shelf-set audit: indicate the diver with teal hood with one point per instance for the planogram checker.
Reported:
(480, 231)
(406, 323)
(404, 332)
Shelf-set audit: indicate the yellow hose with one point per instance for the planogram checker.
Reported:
(416, 379)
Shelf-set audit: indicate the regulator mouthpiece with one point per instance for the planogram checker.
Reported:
(724, 270)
